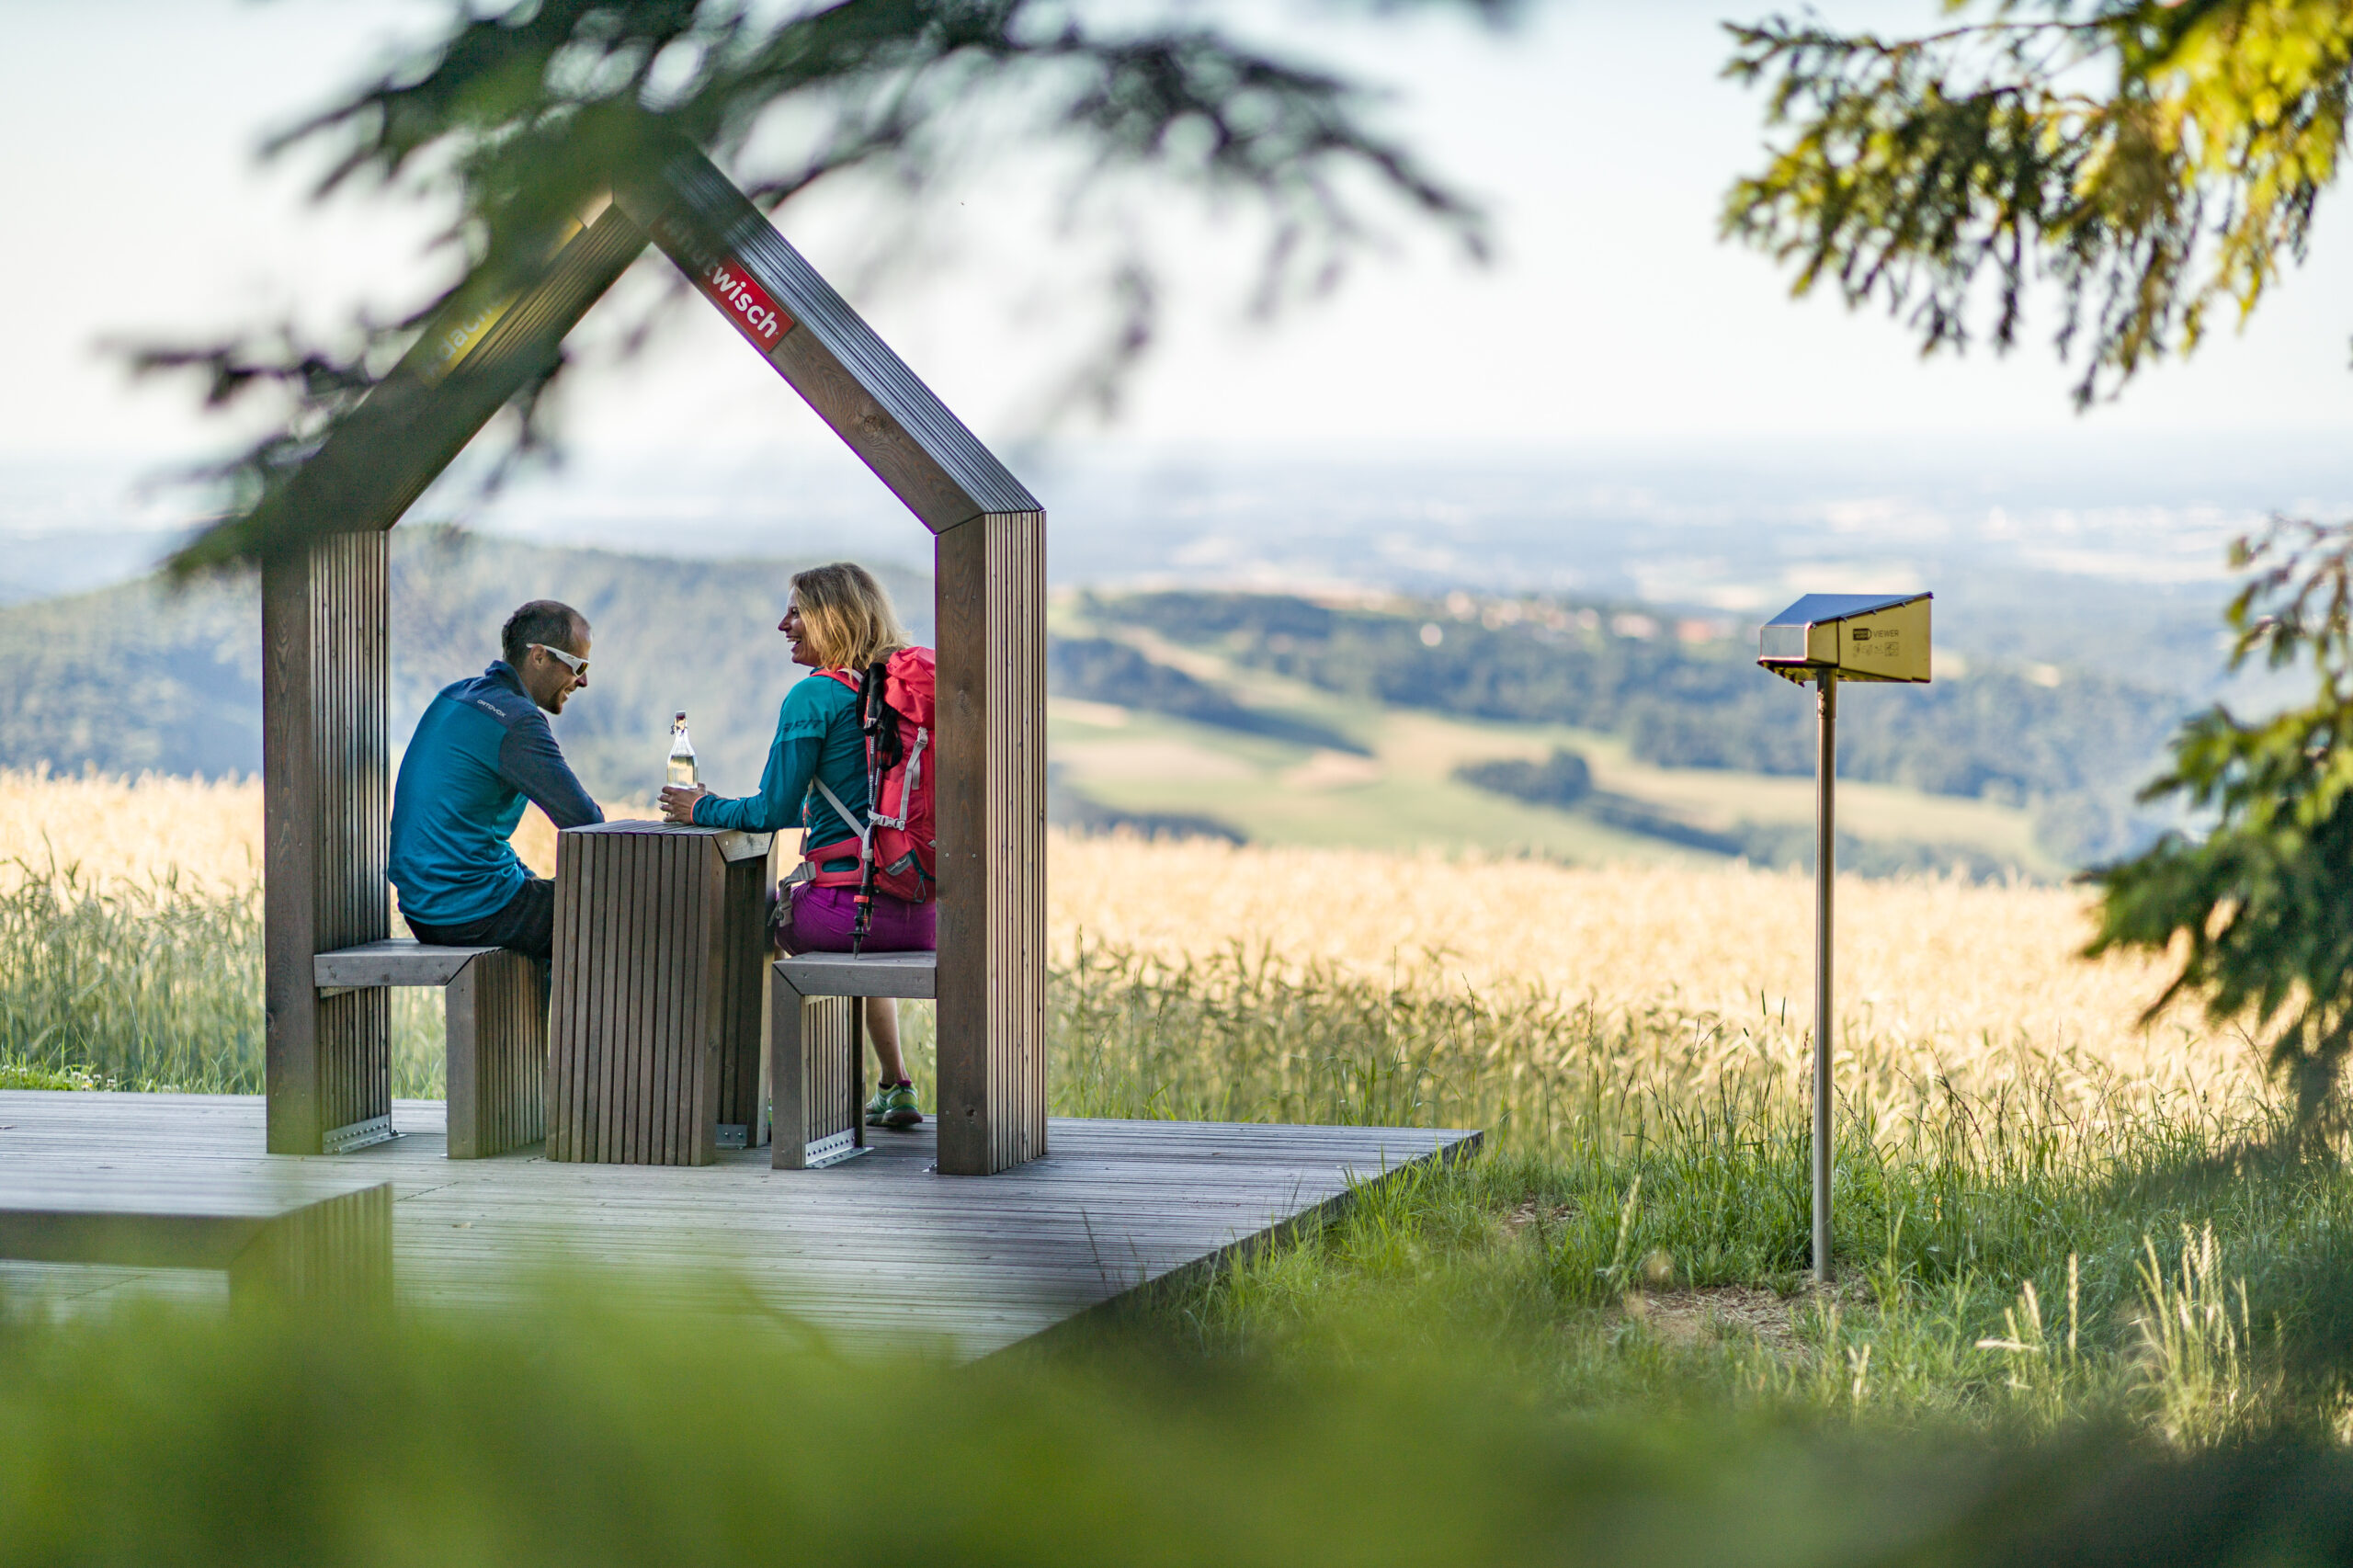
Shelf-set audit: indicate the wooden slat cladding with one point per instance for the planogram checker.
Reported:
(816, 1071)
(568, 1005)
(326, 678)
(991, 598)
(336, 1253)
(657, 1001)
(497, 1056)
(836, 1059)
(745, 952)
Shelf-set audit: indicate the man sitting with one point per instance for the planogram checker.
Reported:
(483, 748)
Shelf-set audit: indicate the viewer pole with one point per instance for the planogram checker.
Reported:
(1825, 783)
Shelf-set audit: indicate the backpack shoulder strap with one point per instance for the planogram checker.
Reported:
(849, 818)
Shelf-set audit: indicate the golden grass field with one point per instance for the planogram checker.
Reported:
(1981, 985)
(136, 831)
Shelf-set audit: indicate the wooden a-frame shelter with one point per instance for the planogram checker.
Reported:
(327, 671)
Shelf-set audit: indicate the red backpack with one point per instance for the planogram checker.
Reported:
(897, 846)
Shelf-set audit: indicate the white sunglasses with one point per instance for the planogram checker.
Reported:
(578, 667)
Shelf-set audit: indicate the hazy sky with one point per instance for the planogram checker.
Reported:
(1598, 134)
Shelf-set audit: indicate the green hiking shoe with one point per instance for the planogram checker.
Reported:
(894, 1107)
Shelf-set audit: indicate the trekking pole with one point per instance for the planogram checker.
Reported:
(870, 704)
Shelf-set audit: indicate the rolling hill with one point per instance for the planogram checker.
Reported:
(145, 676)
(1392, 723)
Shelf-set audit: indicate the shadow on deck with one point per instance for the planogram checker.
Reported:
(880, 1248)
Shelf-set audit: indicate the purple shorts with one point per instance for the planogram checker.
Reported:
(819, 920)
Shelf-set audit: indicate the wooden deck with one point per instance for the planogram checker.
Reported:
(878, 1249)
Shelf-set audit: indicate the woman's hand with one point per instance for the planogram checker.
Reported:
(678, 801)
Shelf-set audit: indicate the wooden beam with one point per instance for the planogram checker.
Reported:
(470, 361)
(326, 681)
(402, 962)
(821, 346)
(914, 975)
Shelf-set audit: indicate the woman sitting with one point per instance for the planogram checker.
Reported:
(839, 623)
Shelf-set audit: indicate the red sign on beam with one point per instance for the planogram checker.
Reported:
(726, 283)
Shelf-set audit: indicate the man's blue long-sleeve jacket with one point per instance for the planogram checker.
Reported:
(483, 748)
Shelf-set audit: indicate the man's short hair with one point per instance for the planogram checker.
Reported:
(542, 620)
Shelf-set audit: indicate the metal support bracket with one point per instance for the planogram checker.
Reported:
(839, 1146)
(357, 1135)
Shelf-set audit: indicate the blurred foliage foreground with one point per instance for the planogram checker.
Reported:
(580, 1436)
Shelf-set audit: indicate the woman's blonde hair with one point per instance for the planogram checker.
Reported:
(848, 615)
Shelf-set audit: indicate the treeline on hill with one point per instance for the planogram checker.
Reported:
(1562, 782)
(2073, 751)
(1098, 669)
(143, 677)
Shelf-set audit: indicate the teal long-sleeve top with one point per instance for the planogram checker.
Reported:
(816, 737)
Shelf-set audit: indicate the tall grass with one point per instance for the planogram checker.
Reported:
(1250, 1035)
(153, 985)
(2044, 1214)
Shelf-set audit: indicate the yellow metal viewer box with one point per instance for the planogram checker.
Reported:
(1852, 636)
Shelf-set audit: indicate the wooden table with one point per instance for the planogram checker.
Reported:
(661, 961)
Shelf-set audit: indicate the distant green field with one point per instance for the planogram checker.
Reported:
(1403, 794)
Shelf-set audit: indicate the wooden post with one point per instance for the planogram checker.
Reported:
(990, 594)
(326, 787)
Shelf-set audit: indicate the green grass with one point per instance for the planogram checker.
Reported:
(1624, 1240)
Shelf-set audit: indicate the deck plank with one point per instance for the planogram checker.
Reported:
(878, 1249)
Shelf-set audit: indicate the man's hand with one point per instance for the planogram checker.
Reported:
(678, 801)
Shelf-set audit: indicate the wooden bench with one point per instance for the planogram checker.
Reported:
(817, 1047)
(280, 1235)
(497, 1035)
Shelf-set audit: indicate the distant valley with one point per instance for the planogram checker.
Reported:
(1503, 722)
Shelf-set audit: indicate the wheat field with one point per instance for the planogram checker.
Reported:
(125, 832)
(1980, 983)
(1939, 982)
